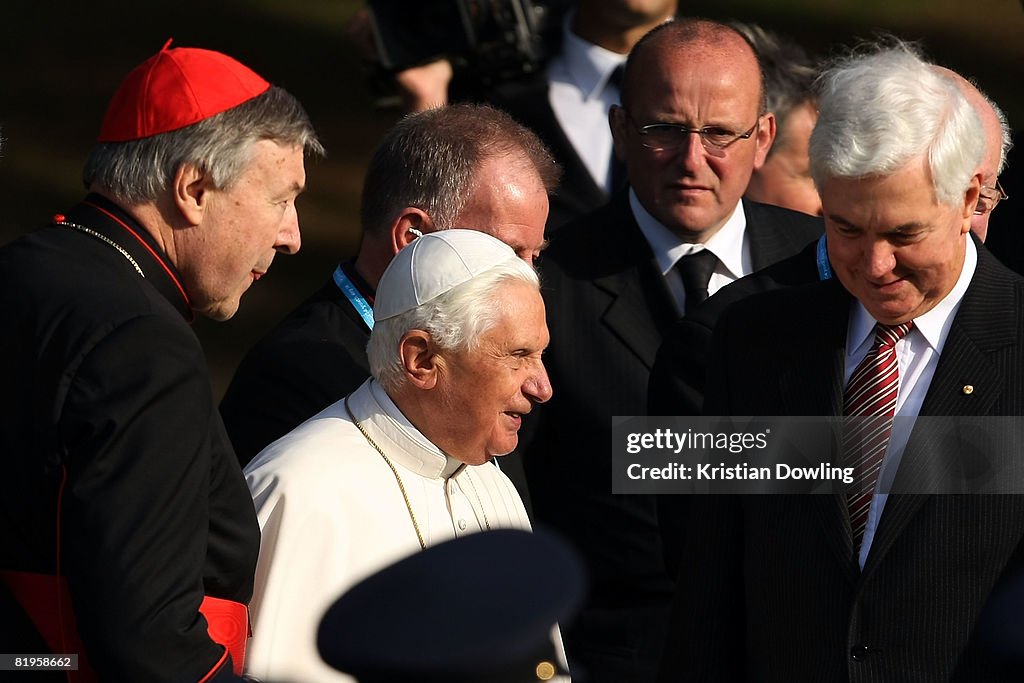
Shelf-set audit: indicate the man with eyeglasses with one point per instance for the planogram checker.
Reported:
(691, 130)
(988, 198)
(997, 143)
(996, 130)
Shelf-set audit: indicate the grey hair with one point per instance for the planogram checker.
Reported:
(429, 160)
(880, 110)
(455, 321)
(141, 170)
(788, 73)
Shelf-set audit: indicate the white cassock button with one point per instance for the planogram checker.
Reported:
(462, 525)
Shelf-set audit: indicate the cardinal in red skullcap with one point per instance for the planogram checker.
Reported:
(129, 537)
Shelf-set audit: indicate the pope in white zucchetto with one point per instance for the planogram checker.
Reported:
(402, 463)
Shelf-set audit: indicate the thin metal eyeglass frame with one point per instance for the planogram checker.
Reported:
(1000, 195)
(709, 147)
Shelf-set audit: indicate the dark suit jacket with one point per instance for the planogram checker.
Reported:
(117, 473)
(608, 307)
(676, 385)
(312, 358)
(770, 589)
(577, 194)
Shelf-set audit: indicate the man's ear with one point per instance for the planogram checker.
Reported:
(971, 197)
(410, 224)
(764, 138)
(191, 187)
(419, 358)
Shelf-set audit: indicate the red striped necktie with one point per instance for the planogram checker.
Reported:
(870, 397)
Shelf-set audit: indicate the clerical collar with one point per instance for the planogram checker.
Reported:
(105, 220)
(417, 453)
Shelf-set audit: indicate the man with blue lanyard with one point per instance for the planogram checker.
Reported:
(461, 166)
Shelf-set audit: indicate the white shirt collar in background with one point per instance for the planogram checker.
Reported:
(581, 96)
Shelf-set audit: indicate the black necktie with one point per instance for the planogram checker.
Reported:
(616, 168)
(696, 269)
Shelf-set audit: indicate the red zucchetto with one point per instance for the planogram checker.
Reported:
(176, 88)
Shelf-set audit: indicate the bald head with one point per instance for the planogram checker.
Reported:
(707, 39)
(997, 140)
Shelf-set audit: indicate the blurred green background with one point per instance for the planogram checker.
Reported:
(63, 60)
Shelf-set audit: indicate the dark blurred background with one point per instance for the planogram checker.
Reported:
(63, 60)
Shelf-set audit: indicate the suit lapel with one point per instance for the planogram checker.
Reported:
(641, 307)
(823, 356)
(986, 322)
(769, 241)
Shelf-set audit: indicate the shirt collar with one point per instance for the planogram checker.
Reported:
(933, 326)
(589, 66)
(398, 437)
(726, 244)
(100, 215)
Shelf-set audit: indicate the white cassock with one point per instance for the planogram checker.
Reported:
(332, 513)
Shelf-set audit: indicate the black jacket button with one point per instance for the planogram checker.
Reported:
(859, 653)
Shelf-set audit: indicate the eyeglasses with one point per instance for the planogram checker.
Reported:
(668, 137)
(988, 197)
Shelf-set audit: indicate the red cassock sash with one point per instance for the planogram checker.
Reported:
(47, 601)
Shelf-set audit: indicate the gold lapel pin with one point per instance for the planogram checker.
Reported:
(968, 389)
(545, 671)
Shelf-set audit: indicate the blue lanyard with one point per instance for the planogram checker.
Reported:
(824, 267)
(355, 298)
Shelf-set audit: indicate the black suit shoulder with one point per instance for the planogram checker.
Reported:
(803, 224)
(985, 347)
(601, 243)
(776, 233)
(780, 328)
(313, 357)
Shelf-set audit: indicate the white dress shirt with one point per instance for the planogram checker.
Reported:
(730, 245)
(581, 95)
(917, 355)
